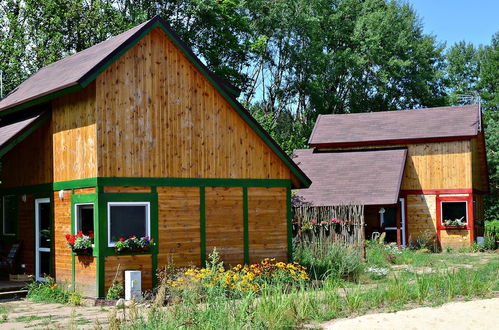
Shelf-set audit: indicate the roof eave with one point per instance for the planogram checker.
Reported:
(390, 142)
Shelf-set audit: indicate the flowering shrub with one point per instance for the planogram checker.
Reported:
(49, 291)
(242, 278)
(80, 242)
(134, 244)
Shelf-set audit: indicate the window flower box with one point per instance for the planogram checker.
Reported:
(454, 224)
(81, 244)
(134, 244)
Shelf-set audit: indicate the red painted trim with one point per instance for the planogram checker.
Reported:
(399, 226)
(439, 220)
(437, 191)
(470, 218)
(406, 233)
(390, 142)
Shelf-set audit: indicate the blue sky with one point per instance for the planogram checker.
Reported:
(455, 20)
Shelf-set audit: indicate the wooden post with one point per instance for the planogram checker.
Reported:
(399, 227)
(362, 238)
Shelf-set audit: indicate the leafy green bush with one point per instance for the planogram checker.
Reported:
(324, 258)
(116, 291)
(49, 291)
(491, 235)
(426, 240)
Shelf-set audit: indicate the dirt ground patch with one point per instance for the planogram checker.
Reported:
(24, 314)
(477, 314)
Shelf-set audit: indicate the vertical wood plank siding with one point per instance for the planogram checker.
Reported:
(62, 226)
(224, 223)
(75, 135)
(421, 215)
(140, 262)
(479, 165)
(440, 165)
(85, 273)
(157, 116)
(267, 214)
(30, 162)
(179, 226)
(26, 233)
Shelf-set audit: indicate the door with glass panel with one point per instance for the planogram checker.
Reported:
(393, 227)
(43, 238)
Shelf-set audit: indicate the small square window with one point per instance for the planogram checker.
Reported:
(127, 219)
(84, 218)
(9, 215)
(454, 213)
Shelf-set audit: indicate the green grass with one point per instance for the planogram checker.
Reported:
(324, 258)
(51, 292)
(31, 318)
(4, 313)
(279, 307)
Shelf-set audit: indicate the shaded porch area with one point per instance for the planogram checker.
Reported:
(371, 178)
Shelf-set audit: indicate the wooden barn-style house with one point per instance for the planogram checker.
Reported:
(419, 173)
(136, 137)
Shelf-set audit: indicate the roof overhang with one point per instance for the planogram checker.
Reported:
(365, 177)
(13, 133)
(390, 142)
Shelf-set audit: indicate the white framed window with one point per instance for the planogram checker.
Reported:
(454, 212)
(125, 219)
(9, 215)
(84, 218)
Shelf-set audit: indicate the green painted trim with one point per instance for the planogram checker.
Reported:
(105, 198)
(24, 135)
(290, 225)
(154, 228)
(72, 184)
(202, 225)
(246, 226)
(79, 199)
(100, 243)
(41, 99)
(39, 188)
(73, 255)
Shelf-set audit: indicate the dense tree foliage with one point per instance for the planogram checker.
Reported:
(475, 71)
(292, 59)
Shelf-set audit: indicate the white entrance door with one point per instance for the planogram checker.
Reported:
(43, 238)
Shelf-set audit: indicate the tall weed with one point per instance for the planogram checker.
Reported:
(328, 259)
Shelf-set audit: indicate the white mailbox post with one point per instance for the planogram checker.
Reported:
(133, 284)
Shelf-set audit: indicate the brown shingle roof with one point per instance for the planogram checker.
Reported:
(66, 72)
(361, 128)
(11, 132)
(354, 177)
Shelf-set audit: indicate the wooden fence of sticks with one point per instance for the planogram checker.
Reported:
(340, 224)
